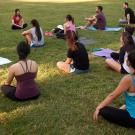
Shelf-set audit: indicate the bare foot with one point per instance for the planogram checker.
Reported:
(123, 107)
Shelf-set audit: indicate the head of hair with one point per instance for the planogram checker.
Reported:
(16, 10)
(71, 39)
(23, 50)
(126, 3)
(131, 59)
(70, 18)
(35, 24)
(100, 8)
(130, 29)
(128, 41)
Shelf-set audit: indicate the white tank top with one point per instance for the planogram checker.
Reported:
(125, 66)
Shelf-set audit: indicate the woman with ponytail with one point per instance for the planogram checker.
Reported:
(24, 71)
(34, 36)
(77, 57)
(68, 25)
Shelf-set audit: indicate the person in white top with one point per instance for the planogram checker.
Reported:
(34, 36)
(130, 30)
(120, 64)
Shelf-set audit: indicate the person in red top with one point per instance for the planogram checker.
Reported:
(17, 21)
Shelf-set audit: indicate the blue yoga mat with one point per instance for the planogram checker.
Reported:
(107, 28)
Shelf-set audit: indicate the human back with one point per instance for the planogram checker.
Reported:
(34, 35)
(20, 68)
(101, 21)
(25, 72)
(25, 77)
(79, 56)
(35, 39)
(69, 24)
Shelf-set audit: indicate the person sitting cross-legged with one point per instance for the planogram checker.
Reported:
(34, 36)
(98, 21)
(17, 21)
(129, 17)
(118, 63)
(125, 115)
(25, 72)
(77, 57)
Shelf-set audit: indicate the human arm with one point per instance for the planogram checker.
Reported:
(128, 18)
(13, 23)
(22, 22)
(26, 32)
(65, 28)
(10, 76)
(36, 68)
(122, 87)
(90, 18)
(69, 61)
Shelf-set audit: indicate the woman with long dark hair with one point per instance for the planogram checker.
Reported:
(127, 45)
(34, 36)
(24, 71)
(130, 30)
(17, 21)
(125, 115)
(77, 57)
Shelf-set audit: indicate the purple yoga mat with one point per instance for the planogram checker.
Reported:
(104, 53)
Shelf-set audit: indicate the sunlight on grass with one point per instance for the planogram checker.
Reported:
(57, 1)
(18, 112)
(47, 71)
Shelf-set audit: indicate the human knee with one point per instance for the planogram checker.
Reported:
(104, 110)
(107, 61)
(59, 64)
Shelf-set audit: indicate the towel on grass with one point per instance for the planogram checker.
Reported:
(103, 52)
(4, 61)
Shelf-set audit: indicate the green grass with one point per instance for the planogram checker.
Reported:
(67, 101)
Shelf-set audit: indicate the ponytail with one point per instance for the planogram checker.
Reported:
(35, 23)
(70, 18)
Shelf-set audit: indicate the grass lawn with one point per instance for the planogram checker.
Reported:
(67, 101)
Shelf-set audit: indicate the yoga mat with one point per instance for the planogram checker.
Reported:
(103, 52)
(4, 61)
(86, 41)
(107, 29)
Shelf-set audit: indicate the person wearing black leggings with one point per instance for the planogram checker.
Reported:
(24, 71)
(124, 116)
(17, 21)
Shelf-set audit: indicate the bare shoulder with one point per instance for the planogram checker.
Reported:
(126, 79)
(34, 63)
(13, 67)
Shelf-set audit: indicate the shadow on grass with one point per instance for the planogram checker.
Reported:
(66, 104)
